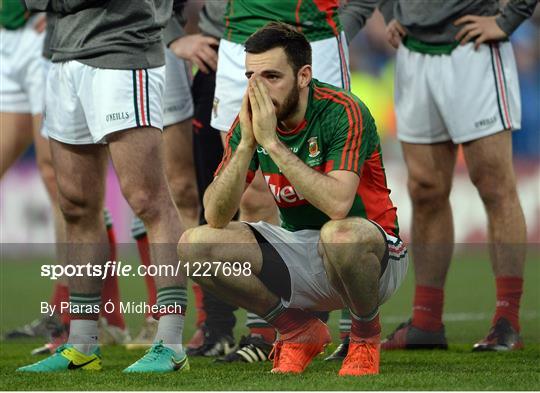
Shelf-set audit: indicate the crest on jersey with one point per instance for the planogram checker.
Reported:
(313, 146)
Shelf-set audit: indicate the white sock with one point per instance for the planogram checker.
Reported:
(169, 331)
(83, 334)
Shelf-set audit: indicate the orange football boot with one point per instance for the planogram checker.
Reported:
(363, 357)
(293, 352)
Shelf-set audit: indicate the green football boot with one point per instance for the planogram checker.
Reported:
(65, 358)
(159, 359)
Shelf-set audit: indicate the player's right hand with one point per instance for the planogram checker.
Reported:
(246, 124)
(395, 33)
(198, 49)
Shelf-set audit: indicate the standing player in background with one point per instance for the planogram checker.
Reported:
(24, 53)
(328, 34)
(105, 99)
(457, 84)
(21, 94)
(21, 107)
(178, 156)
(213, 316)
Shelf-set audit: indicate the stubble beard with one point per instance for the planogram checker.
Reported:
(290, 104)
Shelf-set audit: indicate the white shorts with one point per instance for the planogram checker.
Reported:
(310, 287)
(178, 101)
(330, 59)
(84, 104)
(460, 97)
(21, 76)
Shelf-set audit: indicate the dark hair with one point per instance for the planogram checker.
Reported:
(281, 35)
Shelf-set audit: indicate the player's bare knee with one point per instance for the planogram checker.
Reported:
(351, 236)
(348, 230)
(427, 192)
(334, 231)
(494, 188)
(189, 237)
(193, 235)
(144, 203)
(76, 207)
(184, 193)
(198, 243)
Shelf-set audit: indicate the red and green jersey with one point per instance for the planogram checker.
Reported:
(13, 14)
(317, 19)
(338, 133)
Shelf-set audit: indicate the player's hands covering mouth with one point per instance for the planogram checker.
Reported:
(264, 120)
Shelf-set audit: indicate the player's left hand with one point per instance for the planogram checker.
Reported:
(480, 29)
(263, 112)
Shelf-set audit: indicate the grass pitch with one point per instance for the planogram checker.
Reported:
(469, 304)
(456, 369)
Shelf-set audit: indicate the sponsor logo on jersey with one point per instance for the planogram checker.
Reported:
(284, 193)
(116, 116)
(313, 147)
(261, 150)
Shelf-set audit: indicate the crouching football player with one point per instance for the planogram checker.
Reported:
(338, 245)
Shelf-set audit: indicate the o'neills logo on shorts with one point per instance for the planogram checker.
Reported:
(116, 116)
(484, 123)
